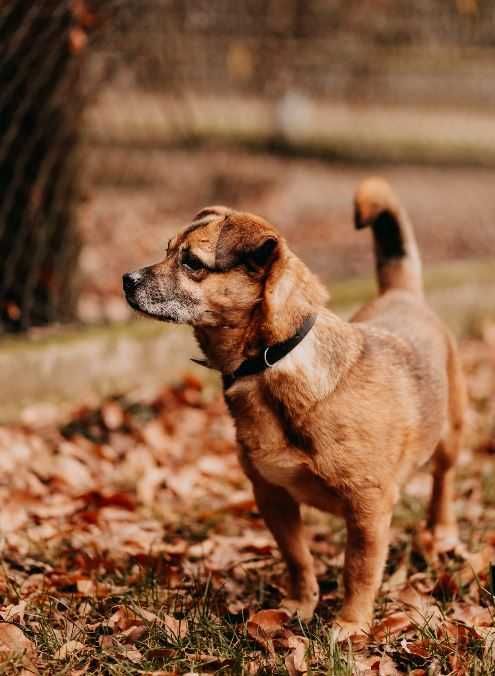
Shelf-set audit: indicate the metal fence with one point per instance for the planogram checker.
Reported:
(90, 90)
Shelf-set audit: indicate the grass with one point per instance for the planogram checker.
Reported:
(210, 636)
(215, 642)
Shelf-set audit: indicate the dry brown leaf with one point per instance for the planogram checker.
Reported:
(133, 655)
(269, 621)
(446, 587)
(113, 415)
(86, 587)
(395, 623)
(398, 578)
(387, 666)
(122, 619)
(459, 634)
(154, 653)
(458, 664)
(265, 624)
(177, 628)
(419, 607)
(473, 615)
(295, 661)
(366, 665)
(75, 474)
(154, 435)
(82, 671)
(14, 613)
(13, 641)
(67, 649)
(132, 634)
(476, 564)
(418, 648)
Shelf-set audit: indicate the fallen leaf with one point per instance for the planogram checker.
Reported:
(473, 615)
(86, 587)
(476, 564)
(265, 624)
(387, 666)
(295, 661)
(419, 648)
(67, 649)
(395, 623)
(446, 588)
(13, 641)
(269, 621)
(420, 607)
(366, 665)
(14, 613)
(459, 634)
(133, 655)
(113, 415)
(177, 628)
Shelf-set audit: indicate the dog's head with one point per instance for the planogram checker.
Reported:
(213, 272)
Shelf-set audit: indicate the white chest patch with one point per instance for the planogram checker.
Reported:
(305, 362)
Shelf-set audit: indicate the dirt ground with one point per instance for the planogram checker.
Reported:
(135, 200)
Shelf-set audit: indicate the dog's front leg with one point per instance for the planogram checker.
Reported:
(365, 556)
(283, 517)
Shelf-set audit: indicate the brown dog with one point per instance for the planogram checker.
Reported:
(329, 413)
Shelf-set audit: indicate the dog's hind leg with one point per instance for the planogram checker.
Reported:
(283, 517)
(441, 518)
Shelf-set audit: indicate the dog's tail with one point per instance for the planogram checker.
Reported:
(398, 264)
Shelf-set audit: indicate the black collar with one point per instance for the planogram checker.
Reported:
(270, 355)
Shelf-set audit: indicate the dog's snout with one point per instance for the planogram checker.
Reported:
(130, 280)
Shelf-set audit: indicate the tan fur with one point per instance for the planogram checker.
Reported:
(343, 420)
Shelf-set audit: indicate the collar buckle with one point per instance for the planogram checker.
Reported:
(267, 363)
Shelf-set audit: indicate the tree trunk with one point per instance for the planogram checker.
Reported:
(40, 110)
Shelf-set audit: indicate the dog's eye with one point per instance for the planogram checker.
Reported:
(191, 262)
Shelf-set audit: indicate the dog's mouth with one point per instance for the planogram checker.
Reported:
(132, 302)
(148, 313)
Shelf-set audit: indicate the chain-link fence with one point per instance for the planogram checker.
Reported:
(106, 105)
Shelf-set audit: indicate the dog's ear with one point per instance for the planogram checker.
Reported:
(246, 243)
(263, 253)
(215, 211)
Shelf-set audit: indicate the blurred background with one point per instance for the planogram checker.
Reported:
(122, 118)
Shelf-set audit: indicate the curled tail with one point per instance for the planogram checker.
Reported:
(398, 264)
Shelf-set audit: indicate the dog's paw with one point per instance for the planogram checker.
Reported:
(304, 608)
(356, 631)
(432, 543)
(445, 538)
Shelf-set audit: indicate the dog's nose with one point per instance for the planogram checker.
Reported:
(130, 280)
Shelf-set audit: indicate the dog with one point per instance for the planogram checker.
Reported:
(329, 413)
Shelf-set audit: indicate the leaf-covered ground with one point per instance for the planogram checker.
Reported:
(131, 545)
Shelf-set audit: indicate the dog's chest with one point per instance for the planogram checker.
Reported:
(267, 439)
(280, 456)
